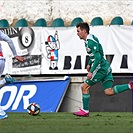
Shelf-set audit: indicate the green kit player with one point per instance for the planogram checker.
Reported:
(98, 68)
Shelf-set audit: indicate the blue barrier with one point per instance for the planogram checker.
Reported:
(48, 94)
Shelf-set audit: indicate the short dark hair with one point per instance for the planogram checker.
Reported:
(84, 25)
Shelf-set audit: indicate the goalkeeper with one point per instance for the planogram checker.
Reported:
(8, 78)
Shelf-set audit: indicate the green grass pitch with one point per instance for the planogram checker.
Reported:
(63, 122)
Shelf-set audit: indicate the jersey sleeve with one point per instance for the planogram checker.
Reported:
(95, 59)
(6, 38)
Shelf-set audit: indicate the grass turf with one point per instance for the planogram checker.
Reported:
(62, 122)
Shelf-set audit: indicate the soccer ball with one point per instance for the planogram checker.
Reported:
(33, 109)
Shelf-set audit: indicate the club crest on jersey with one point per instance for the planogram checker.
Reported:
(95, 47)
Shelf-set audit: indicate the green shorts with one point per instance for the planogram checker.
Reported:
(105, 79)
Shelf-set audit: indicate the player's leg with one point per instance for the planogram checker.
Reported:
(107, 84)
(117, 89)
(3, 114)
(9, 79)
(86, 97)
(96, 77)
(2, 66)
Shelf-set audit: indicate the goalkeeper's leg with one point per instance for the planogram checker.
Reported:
(3, 114)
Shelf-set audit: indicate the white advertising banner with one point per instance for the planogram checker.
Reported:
(28, 44)
(49, 50)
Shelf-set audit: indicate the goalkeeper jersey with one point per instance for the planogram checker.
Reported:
(4, 37)
(96, 54)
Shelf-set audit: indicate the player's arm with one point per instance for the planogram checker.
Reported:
(97, 56)
(7, 39)
(95, 64)
(19, 58)
(90, 62)
(88, 68)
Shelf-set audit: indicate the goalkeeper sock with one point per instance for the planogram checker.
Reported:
(2, 83)
(2, 112)
(120, 88)
(86, 101)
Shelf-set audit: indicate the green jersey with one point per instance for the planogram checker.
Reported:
(96, 54)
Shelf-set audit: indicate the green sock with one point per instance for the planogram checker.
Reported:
(120, 88)
(86, 101)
